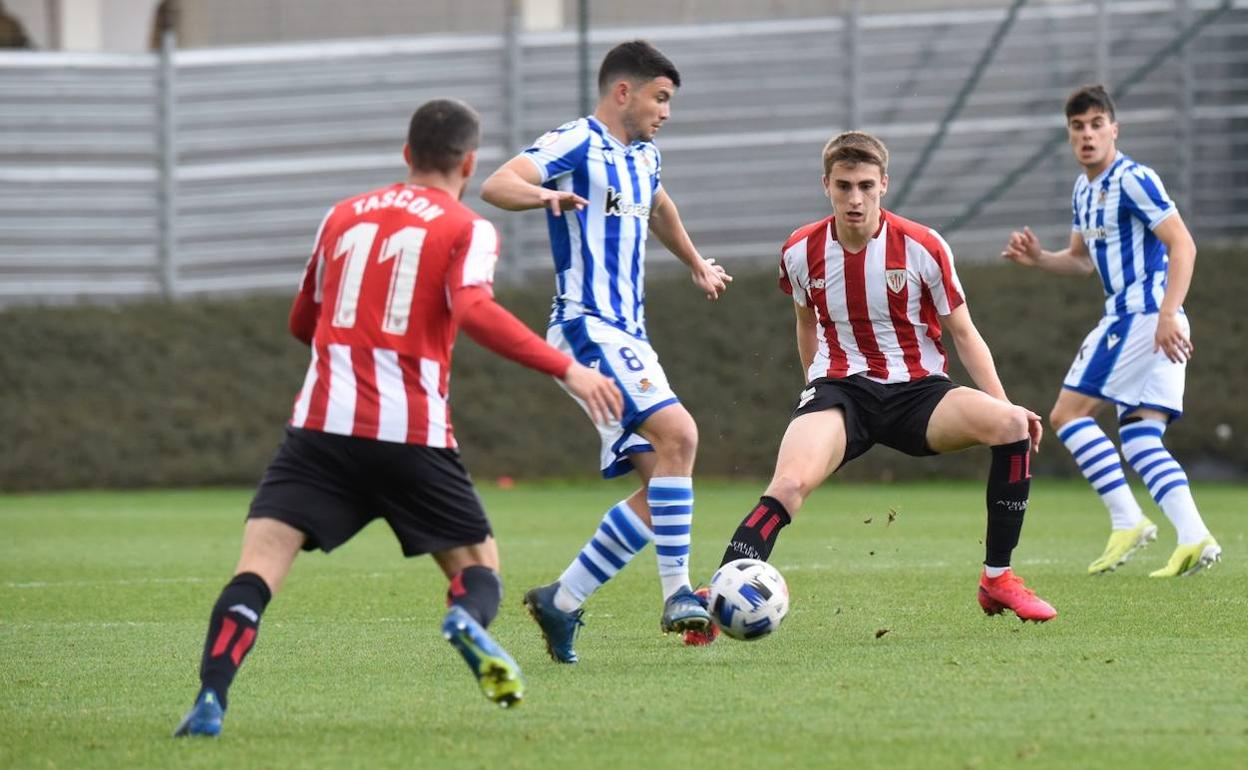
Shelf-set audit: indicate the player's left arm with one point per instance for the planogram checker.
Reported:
(666, 224)
(1170, 337)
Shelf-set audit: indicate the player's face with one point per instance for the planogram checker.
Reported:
(855, 191)
(649, 105)
(1092, 136)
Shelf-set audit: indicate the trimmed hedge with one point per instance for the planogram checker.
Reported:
(195, 393)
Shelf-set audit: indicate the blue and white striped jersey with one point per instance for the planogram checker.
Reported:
(599, 252)
(1116, 213)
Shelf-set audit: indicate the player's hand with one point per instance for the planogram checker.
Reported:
(599, 393)
(1171, 340)
(559, 201)
(1035, 429)
(710, 278)
(1023, 248)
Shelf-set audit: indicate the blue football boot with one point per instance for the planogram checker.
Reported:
(684, 611)
(496, 672)
(559, 628)
(204, 718)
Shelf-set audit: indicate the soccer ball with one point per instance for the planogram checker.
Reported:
(748, 599)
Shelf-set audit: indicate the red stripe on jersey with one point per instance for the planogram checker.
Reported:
(318, 404)
(895, 258)
(929, 316)
(367, 399)
(816, 267)
(226, 633)
(860, 313)
(417, 403)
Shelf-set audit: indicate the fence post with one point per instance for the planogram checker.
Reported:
(585, 87)
(1187, 107)
(853, 104)
(168, 141)
(1103, 42)
(513, 60)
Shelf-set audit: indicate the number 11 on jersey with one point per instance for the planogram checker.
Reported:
(356, 244)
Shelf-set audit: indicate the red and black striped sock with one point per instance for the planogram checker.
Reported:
(757, 533)
(232, 631)
(1009, 485)
(478, 590)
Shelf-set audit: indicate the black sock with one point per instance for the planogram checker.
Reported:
(478, 590)
(232, 631)
(1009, 483)
(757, 533)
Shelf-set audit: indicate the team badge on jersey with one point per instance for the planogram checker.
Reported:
(548, 138)
(896, 280)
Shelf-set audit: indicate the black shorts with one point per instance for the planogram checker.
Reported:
(330, 486)
(894, 414)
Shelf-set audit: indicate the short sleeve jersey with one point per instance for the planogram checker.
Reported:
(599, 252)
(878, 309)
(1115, 214)
(383, 270)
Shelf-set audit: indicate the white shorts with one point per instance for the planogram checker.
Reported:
(633, 365)
(1117, 363)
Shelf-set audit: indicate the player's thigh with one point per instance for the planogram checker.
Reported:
(966, 417)
(452, 561)
(1072, 405)
(671, 428)
(813, 447)
(269, 548)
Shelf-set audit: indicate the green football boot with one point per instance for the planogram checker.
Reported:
(1123, 543)
(1190, 559)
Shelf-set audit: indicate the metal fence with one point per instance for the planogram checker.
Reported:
(208, 170)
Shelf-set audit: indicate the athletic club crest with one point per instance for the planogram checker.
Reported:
(896, 280)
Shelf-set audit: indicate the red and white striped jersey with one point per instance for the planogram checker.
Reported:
(378, 288)
(879, 309)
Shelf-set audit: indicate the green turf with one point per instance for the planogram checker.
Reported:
(104, 598)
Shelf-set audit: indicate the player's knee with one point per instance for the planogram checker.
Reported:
(790, 490)
(1011, 426)
(679, 443)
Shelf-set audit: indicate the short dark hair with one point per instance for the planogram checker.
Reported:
(635, 60)
(1093, 97)
(441, 133)
(852, 148)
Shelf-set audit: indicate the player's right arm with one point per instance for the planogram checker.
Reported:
(807, 336)
(1024, 248)
(517, 186)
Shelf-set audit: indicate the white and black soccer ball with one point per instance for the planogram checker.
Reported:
(748, 599)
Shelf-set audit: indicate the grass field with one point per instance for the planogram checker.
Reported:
(104, 599)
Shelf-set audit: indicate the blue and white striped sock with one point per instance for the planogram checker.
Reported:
(1098, 461)
(1164, 477)
(618, 539)
(671, 512)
